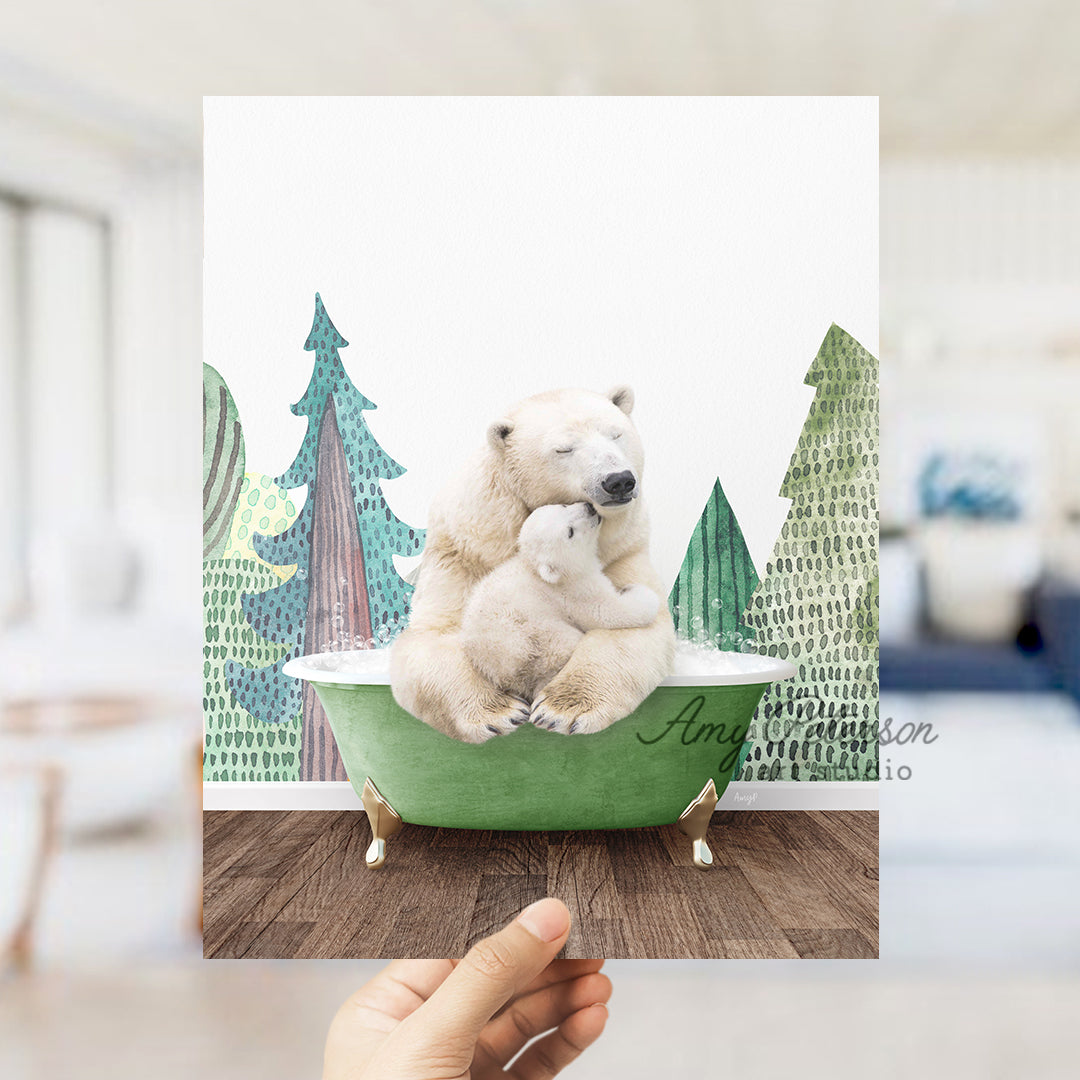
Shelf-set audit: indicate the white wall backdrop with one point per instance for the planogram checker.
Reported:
(477, 250)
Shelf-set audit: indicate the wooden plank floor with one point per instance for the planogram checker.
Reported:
(293, 884)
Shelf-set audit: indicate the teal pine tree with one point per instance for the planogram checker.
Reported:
(382, 535)
(346, 588)
(817, 603)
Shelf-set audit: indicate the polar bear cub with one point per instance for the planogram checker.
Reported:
(523, 620)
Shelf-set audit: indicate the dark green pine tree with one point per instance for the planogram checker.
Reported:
(716, 579)
(715, 583)
(817, 603)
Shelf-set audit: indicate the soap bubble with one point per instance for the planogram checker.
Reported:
(714, 603)
(697, 622)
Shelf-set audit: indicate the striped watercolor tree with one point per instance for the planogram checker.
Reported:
(223, 463)
(716, 580)
(715, 584)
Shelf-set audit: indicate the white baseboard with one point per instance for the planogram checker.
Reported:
(743, 795)
(283, 795)
(799, 795)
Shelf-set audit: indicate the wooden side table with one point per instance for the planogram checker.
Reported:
(38, 787)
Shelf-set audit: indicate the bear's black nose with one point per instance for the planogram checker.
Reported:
(619, 484)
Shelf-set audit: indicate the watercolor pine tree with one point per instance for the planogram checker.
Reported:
(716, 579)
(816, 606)
(346, 589)
(715, 583)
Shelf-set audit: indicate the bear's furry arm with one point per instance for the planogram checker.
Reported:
(598, 605)
(611, 671)
(494, 626)
(472, 528)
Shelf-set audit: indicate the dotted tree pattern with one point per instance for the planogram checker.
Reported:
(239, 746)
(817, 603)
(263, 507)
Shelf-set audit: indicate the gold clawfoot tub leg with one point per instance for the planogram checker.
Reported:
(384, 821)
(694, 822)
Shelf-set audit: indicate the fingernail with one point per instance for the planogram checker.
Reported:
(547, 919)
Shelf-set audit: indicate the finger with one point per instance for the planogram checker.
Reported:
(532, 1015)
(492, 972)
(560, 971)
(548, 1056)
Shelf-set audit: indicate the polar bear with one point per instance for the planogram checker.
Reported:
(524, 620)
(563, 446)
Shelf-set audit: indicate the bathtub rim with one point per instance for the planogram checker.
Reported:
(300, 668)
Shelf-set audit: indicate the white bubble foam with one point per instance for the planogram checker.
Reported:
(691, 660)
(703, 658)
(351, 662)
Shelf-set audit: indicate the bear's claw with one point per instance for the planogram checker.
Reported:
(545, 716)
(550, 721)
(496, 721)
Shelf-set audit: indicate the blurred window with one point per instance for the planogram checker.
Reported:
(56, 430)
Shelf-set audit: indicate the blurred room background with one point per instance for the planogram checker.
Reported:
(100, 599)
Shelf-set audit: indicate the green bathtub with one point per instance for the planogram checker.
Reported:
(668, 761)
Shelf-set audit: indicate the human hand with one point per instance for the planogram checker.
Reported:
(466, 1020)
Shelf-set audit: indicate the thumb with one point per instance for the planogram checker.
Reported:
(492, 972)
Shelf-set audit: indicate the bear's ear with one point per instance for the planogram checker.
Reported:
(622, 396)
(548, 573)
(498, 433)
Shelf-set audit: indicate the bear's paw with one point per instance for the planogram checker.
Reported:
(498, 714)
